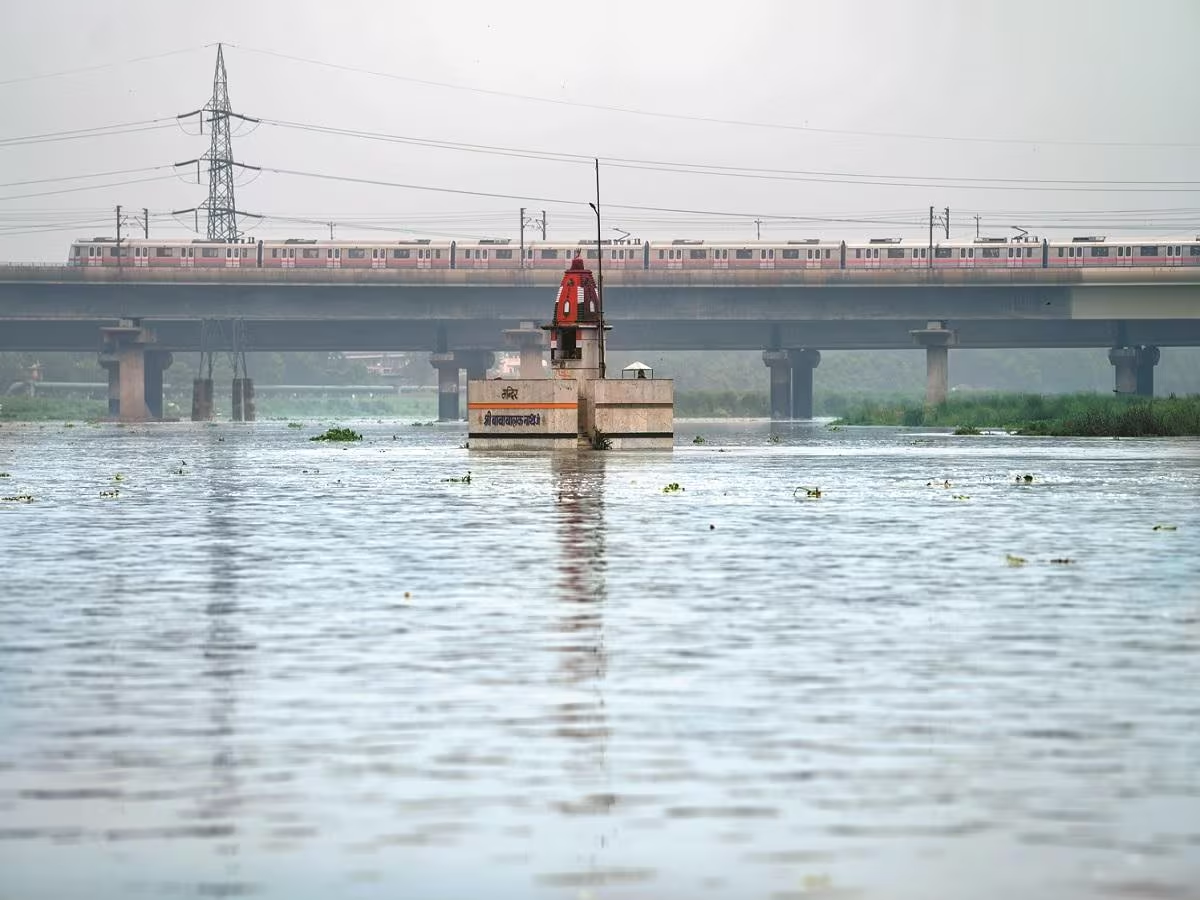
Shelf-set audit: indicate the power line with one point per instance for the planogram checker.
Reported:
(87, 187)
(715, 120)
(81, 177)
(768, 174)
(98, 131)
(109, 65)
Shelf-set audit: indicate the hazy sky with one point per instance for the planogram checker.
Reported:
(910, 92)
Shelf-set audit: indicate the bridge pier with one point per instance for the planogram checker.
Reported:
(202, 400)
(124, 356)
(530, 341)
(1134, 369)
(780, 364)
(156, 361)
(804, 364)
(448, 364)
(243, 408)
(937, 340)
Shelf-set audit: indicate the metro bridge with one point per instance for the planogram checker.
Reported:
(460, 316)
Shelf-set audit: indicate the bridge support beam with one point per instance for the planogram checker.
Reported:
(202, 400)
(804, 364)
(243, 408)
(447, 366)
(1134, 369)
(780, 364)
(476, 362)
(156, 361)
(937, 340)
(530, 342)
(124, 356)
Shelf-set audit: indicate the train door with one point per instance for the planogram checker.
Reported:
(141, 256)
(675, 258)
(424, 258)
(1075, 256)
(95, 256)
(378, 257)
(766, 258)
(721, 258)
(187, 257)
(1014, 257)
(966, 257)
(872, 258)
(333, 257)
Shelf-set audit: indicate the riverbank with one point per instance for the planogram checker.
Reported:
(1067, 415)
(421, 406)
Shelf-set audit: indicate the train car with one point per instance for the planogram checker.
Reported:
(1098, 251)
(143, 253)
(548, 255)
(726, 255)
(294, 253)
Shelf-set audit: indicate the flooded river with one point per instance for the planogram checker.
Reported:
(234, 662)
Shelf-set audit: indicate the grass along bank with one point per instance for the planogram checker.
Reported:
(1076, 415)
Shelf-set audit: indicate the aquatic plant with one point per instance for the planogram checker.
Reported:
(699, 439)
(1014, 560)
(1166, 527)
(5, 475)
(962, 497)
(967, 430)
(19, 498)
(673, 488)
(338, 434)
(773, 438)
(1062, 561)
(600, 441)
(294, 425)
(110, 495)
(810, 493)
(466, 479)
(1024, 479)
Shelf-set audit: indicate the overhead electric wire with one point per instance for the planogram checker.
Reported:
(716, 120)
(98, 131)
(869, 179)
(97, 67)
(88, 187)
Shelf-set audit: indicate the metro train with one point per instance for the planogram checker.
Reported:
(877, 253)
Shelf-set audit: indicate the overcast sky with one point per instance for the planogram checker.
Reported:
(910, 92)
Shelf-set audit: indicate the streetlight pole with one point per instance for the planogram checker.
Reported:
(599, 267)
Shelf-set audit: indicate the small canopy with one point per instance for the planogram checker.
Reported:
(637, 370)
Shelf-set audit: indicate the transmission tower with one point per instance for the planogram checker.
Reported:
(220, 207)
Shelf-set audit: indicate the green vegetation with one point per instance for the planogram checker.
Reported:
(1083, 415)
(41, 409)
(338, 434)
(722, 404)
(466, 479)
(673, 488)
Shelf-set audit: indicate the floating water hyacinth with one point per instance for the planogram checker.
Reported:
(338, 434)
(673, 488)
(466, 479)
(1014, 560)
(810, 493)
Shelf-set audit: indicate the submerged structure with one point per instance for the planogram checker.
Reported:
(576, 407)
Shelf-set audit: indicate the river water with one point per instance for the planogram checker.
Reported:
(286, 669)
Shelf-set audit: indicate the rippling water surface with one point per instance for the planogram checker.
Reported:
(286, 669)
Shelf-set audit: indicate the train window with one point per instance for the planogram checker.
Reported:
(661, 254)
(504, 254)
(794, 254)
(697, 254)
(1071, 252)
(329, 253)
(875, 253)
(245, 252)
(209, 252)
(990, 252)
(895, 253)
(355, 253)
(943, 252)
(589, 254)
(549, 254)
(1060, 249)
(924, 253)
(1010, 249)
(762, 254)
(1148, 251)
(827, 253)
(309, 253)
(274, 254)
(437, 254)
(1120, 251)
(743, 254)
(1099, 251)
(1194, 250)
(1029, 253)
(858, 254)
(970, 252)
(962, 253)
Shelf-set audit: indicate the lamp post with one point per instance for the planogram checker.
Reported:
(599, 268)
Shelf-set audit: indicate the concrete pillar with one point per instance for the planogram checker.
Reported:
(476, 362)
(1134, 369)
(155, 362)
(202, 400)
(804, 362)
(113, 369)
(124, 355)
(530, 341)
(447, 366)
(243, 409)
(937, 340)
(780, 364)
